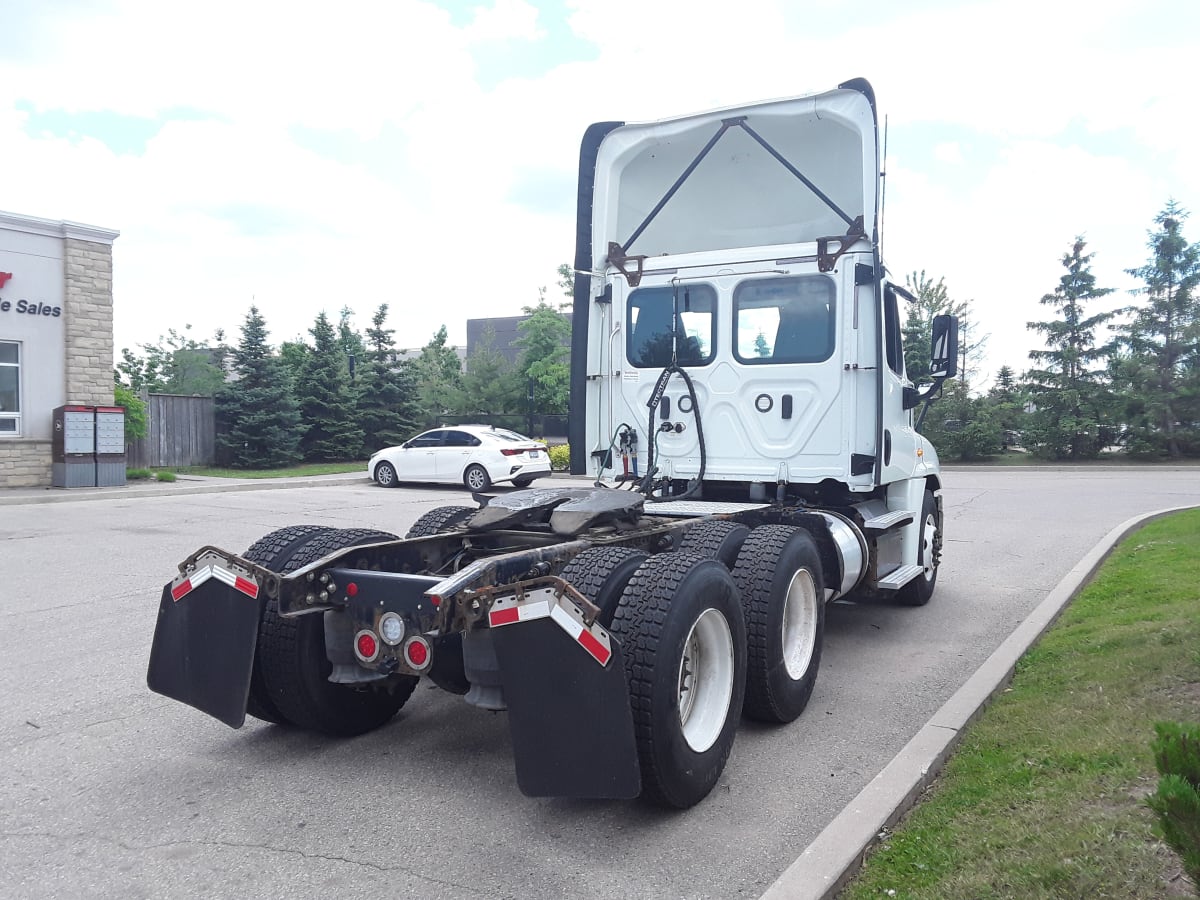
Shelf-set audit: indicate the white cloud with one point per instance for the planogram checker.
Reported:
(473, 208)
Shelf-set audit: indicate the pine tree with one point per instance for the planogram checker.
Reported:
(438, 373)
(327, 398)
(489, 383)
(258, 419)
(1072, 417)
(1160, 372)
(934, 300)
(387, 402)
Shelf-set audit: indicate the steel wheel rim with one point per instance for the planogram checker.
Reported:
(705, 683)
(929, 532)
(799, 635)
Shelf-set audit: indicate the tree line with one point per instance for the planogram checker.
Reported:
(1124, 380)
(345, 394)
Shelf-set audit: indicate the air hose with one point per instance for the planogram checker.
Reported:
(660, 387)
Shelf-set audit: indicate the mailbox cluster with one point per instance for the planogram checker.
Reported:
(88, 446)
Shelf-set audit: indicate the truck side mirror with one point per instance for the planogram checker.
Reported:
(944, 351)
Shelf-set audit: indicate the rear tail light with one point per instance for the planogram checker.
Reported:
(418, 654)
(510, 451)
(366, 646)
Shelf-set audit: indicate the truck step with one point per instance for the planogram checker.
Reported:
(888, 521)
(898, 578)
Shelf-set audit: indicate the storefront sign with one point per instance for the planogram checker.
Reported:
(26, 307)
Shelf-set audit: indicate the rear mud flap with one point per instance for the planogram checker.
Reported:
(571, 724)
(203, 650)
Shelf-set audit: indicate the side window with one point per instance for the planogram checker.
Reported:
(461, 439)
(649, 335)
(784, 320)
(10, 388)
(428, 439)
(891, 336)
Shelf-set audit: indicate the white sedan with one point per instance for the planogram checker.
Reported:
(476, 455)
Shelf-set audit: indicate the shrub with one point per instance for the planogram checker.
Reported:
(1177, 800)
(560, 457)
(164, 476)
(136, 474)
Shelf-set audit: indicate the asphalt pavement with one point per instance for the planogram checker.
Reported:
(110, 791)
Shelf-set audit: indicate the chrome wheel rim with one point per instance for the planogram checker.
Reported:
(799, 632)
(928, 534)
(705, 681)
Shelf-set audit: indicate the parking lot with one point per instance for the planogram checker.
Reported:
(109, 790)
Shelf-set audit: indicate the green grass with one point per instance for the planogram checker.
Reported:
(291, 472)
(1045, 797)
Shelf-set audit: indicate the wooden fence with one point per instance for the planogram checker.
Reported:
(181, 432)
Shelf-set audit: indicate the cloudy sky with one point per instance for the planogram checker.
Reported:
(305, 156)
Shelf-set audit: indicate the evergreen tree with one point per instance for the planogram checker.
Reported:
(1007, 402)
(489, 383)
(439, 378)
(326, 398)
(1163, 343)
(387, 400)
(258, 419)
(963, 427)
(934, 300)
(544, 363)
(350, 342)
(1072, 415)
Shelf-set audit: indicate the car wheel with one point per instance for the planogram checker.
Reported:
(385, 475)
(477, 478)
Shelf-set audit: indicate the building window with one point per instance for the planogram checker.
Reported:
(10, 388)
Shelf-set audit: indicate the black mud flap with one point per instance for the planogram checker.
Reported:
(571, 724)
(203, 650)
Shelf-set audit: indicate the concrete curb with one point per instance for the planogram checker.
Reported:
(184, 485)
(830, 861)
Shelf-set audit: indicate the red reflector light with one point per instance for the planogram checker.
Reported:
(509, 451)
(351, 589)
(417, 653)
(367, 645)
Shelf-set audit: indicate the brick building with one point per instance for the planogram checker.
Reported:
(56, 334)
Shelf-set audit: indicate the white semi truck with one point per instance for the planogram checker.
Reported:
(740, 403)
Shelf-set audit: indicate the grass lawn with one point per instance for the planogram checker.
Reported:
(308, 469)
(1045, 796)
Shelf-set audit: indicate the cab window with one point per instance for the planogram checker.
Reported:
(784, 320)
(650, 337)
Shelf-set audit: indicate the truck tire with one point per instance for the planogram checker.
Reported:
(296, 670)
(717, 539)
(601, 574)
(268, 551)
(680, 626)
(438, 520)
(778, 573)
(919, 591)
